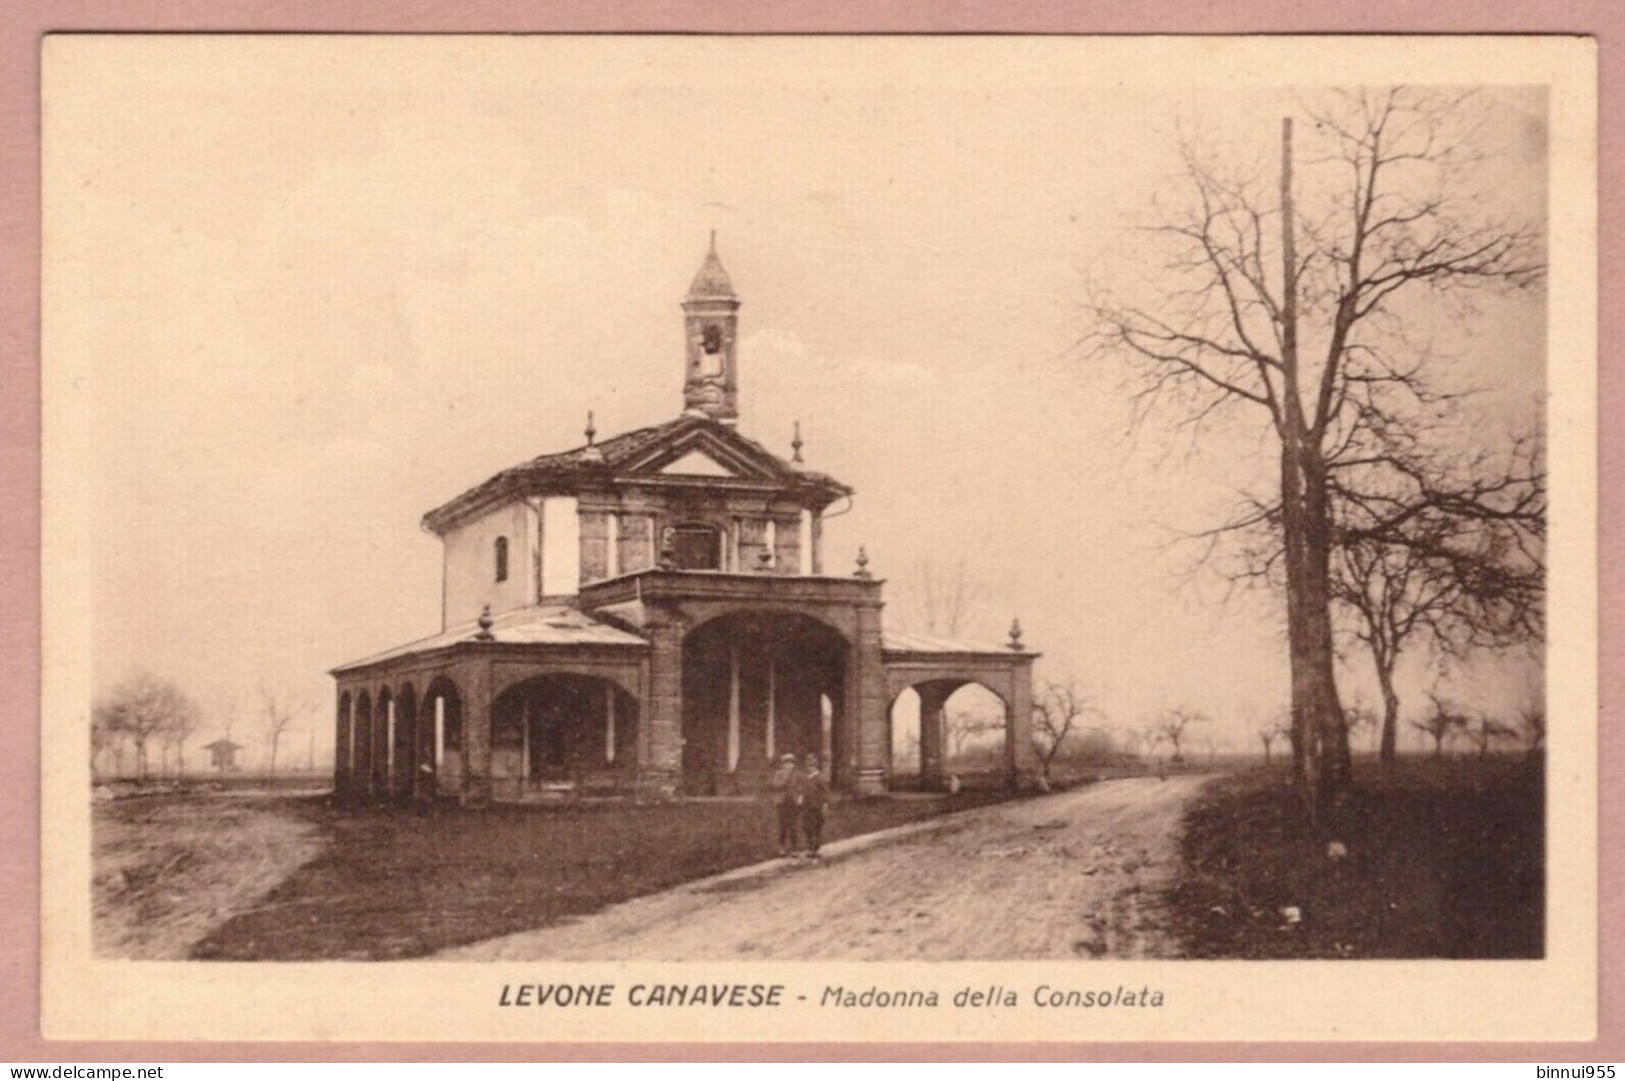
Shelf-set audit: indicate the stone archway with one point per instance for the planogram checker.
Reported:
(948, 727)
(563, 730)
(404, 743)
(757, 685)
(440, 737)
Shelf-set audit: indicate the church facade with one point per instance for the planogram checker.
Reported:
(653, 614)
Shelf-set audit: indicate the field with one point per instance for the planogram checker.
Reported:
(1444, 858)
(169, 867)
(227, 876)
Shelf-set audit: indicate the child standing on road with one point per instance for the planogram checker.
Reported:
(814, 803)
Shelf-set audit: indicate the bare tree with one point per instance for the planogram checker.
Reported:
(1532, 725)
(1485, 732)
(942, 598)
(1267, 736)
(1175, 725)
(968, 726)
(279, 713)
(1297, 317)
(175, 735)
(1359, 718)
(140, 708)
(1441, 723)
(1059, 710)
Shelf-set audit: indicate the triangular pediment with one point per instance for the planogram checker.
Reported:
(697, 463)
(705, 450)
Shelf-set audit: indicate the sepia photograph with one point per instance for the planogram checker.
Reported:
(988, 536)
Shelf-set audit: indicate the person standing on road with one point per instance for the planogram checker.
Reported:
(786, 782)
(814, 804)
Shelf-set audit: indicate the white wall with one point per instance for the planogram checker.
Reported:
(561, 547)
(470, 564)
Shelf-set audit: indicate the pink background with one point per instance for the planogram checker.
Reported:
(22, 22)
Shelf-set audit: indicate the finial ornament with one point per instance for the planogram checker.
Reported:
(592, 429)
(863, 564)
(486, 622)
(1015, 634)
(796, 444)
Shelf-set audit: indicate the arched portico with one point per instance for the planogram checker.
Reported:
(440, 737)
(563, 730)
(936, 675)
(951, 722)
(757, 685)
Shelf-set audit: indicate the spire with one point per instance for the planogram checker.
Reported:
(711, 325)
(711, 283)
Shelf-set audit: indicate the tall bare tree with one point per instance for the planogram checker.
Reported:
(1059, 711)
(942, 598)
(1296, 317)
(279, 712)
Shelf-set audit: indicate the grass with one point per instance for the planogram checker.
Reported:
(392, 884)
(1445, 859)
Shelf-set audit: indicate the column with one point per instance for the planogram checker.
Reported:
(594, 546)
(817, 536)
(342, 755)
(661, 752)
(869, 722)
(389, 751)
(772, 707)
(636, 543)
(933, 732)
(733, 707)
(752, 544)
(1021, 760)
(475, 682)
(787, 544)
(609, 724)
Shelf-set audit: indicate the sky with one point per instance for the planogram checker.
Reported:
(320, 286)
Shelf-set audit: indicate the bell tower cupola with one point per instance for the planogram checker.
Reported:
(710, 324)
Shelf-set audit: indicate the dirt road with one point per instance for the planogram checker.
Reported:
(1077, 874)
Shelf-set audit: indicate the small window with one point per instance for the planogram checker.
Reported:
(502, 559)
(697, 548)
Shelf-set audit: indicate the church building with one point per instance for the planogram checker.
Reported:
(654, 614)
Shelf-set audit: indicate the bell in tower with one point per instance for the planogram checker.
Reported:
(710, 322)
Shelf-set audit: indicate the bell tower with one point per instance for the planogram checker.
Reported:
(710, 325)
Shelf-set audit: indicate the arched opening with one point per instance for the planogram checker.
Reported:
(501, 555)
(404, 756)
(440, 736)
(383, 742)
(905, 740)
(343, 751)
(563, 731)
(361, 766)
(948, 728)
(757, 686)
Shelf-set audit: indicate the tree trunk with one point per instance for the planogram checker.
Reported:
(1323, 760)
(1390, 713)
